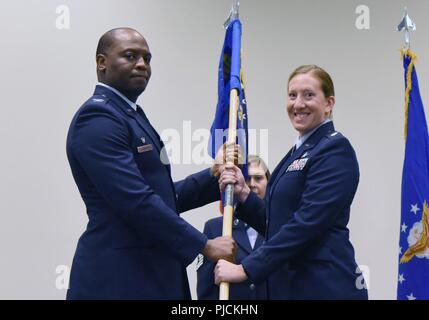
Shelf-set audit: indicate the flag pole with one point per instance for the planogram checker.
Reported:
(228, 211)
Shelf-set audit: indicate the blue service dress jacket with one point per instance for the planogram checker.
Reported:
(206, 288)
(135, 245)
(304, 217)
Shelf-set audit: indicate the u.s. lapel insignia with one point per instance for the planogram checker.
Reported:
(297, 165)
(143, 139)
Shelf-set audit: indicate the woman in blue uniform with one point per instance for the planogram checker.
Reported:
(307, 254)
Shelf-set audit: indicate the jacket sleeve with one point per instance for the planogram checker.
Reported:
(100, 143)
(206, 287)
(196, 191)
(253, 212)
(331, 183)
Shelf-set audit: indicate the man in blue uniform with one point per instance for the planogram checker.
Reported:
(135, 245)
(247, 239)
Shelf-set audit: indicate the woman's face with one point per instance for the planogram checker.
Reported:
(257, 179)
(307, 105)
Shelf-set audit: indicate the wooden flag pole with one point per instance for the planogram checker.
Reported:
(228, 210)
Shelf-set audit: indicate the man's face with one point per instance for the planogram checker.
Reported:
(257, 180)
(126, 64)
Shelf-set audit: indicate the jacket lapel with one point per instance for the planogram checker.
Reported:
(240, 236)
(308, 144)
(150, 131)
(259, 242)
(129, 111)
(286, 161)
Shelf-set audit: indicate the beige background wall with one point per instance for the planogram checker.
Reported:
(46, 73)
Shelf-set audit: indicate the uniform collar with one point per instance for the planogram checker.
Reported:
(301, 139)
(132, 104)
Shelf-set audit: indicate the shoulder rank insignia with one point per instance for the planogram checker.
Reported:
(200, 261)
(97, 100)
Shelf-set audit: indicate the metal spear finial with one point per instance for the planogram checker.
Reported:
(408, 25)
(233, 14)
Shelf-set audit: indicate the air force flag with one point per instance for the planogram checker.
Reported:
(413, 275)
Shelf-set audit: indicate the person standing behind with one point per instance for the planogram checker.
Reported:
(247, 239)
(135, 246)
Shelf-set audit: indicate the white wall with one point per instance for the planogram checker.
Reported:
(47, 73)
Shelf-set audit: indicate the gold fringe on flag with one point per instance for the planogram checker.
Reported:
(413, 57)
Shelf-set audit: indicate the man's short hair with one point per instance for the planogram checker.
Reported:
(107, 40)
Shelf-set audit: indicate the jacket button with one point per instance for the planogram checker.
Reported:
(236, 222)
(252, 286)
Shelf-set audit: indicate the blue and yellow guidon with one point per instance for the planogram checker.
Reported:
(230, 76)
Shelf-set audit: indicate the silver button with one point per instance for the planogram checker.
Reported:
(236, 222)
(252, 286)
